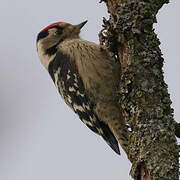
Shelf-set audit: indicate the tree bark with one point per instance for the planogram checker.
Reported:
(143, 95)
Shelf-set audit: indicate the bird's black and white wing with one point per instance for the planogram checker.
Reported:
(65, 75)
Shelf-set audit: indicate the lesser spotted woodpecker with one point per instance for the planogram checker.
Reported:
(87, 79)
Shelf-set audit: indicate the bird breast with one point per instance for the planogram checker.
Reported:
(99, 72)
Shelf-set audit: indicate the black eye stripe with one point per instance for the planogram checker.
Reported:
(42, 35)
(45, 33)
(52, 50)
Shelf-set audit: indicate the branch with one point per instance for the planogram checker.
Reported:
(144, 98)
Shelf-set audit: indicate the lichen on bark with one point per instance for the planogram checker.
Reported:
(143, 94)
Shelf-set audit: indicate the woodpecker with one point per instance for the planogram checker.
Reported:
(87, 79)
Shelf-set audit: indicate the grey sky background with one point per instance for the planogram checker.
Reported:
(40, 137)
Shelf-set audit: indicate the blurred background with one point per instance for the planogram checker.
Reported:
(40, 137)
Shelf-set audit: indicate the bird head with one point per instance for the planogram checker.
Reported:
(50, 37)
(57, 32)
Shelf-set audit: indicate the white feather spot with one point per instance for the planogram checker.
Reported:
(56, 77)
(87, 122)
(68, 76)
(75, 77)
(69, 99)
(79, 94)
(76, 107)
(71, 89)
(86, 106)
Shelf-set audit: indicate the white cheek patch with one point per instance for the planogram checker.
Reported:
(45, 59)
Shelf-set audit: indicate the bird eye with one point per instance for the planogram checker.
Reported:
(56, 33)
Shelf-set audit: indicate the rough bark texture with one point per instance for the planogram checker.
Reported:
(143, 94)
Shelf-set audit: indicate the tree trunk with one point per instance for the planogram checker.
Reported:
(143, 94)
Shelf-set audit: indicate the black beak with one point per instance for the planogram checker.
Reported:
(79, 26)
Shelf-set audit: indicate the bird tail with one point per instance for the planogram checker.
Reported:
(108, 136)
(109, 113)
